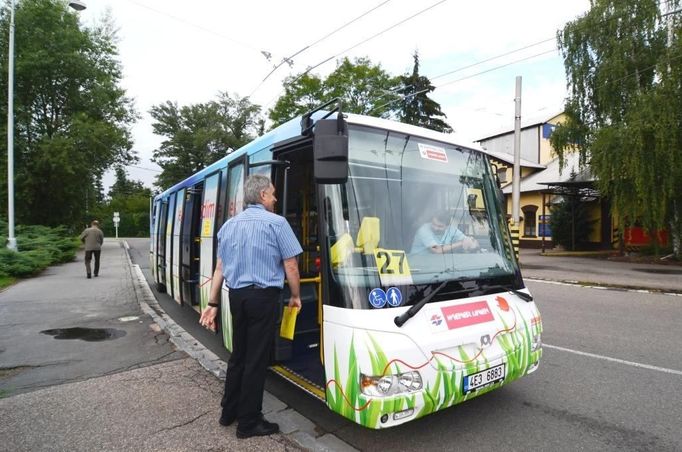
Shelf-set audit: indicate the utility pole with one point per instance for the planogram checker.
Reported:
(675, 220)
(516, 174)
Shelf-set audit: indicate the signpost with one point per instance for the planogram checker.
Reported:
(117, 220)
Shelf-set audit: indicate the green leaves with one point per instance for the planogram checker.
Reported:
(199, 134)
(71, 115)
(364, 88)
(38, 247)
(622, 61)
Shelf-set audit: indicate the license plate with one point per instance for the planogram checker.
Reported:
(483, 378)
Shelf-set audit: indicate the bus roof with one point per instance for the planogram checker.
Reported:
(292, 129)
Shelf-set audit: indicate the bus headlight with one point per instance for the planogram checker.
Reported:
(389, 385)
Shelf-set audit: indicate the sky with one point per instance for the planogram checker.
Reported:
(189, 51)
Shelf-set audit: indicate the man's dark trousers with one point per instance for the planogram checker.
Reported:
(254, 314)
(88, 258)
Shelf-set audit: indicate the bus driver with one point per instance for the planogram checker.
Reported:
(440, 236)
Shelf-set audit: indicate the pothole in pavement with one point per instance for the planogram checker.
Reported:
(85, 334)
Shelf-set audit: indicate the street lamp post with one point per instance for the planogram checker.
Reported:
(11, 239)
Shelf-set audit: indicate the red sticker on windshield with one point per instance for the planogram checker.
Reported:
(467, 314)
(433, 153)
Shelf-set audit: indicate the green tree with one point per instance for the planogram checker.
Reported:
(72, 117)
(302, 93)
(131, 200)
(363, 87)
(415, 107)
(569, 223)
(199, 134)
(123, 186)
(624, 107)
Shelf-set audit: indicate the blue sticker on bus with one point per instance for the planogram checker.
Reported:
(394, 297)
(377, 298)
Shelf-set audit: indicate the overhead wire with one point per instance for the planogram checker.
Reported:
(478, 63)
(289, 59)
(359, 44)
(199, 27)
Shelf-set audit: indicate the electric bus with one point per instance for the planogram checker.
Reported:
(386, 334)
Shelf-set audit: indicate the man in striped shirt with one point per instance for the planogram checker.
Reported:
(255, 250)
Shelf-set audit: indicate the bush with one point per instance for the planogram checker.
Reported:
(569, 223)
(38, 248)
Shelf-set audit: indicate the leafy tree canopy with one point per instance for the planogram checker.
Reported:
(623, 65)
(199, 134)
(363, 87)
(72, 117)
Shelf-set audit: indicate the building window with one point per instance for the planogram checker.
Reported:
(529, 221)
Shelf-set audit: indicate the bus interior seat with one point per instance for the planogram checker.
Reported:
(369, 234)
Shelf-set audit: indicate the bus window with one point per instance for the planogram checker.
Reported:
(222, 200)
(235, 190)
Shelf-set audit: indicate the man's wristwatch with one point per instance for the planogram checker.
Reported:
(213, 305)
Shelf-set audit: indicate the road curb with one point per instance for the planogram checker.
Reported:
(593, 285)
(281, 412)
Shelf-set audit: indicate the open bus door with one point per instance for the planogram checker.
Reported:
(302, 165)
(191, 245)
(160, 264)
(292, 176)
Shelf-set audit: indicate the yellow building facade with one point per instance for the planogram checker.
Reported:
(543, 181)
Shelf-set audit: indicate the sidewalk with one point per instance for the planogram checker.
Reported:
(132, 391)
(574, 268)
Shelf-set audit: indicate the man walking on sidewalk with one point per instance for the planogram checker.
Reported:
(255, 249)
(92, 237)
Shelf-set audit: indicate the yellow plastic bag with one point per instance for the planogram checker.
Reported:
(288, 326)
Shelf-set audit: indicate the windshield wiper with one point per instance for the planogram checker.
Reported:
(400, 320)
(414, 309)
(523, 295)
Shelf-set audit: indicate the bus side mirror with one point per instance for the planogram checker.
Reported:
(330, 151)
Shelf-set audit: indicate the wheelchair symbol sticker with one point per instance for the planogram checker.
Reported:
(377, 298)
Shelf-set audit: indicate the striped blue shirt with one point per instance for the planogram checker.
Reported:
(253, 246)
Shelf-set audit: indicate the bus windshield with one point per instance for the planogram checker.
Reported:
(413, 213)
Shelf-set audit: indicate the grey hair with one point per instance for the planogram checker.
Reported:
(253, 186)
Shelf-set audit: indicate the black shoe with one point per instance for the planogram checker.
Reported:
(262, 428)
(96, 275)
(89, 276)
(226, 420)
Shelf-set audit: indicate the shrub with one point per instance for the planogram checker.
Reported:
(38, 248)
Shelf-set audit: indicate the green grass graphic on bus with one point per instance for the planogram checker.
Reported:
(442, 376)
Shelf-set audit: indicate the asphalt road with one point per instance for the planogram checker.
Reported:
(610, 379)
